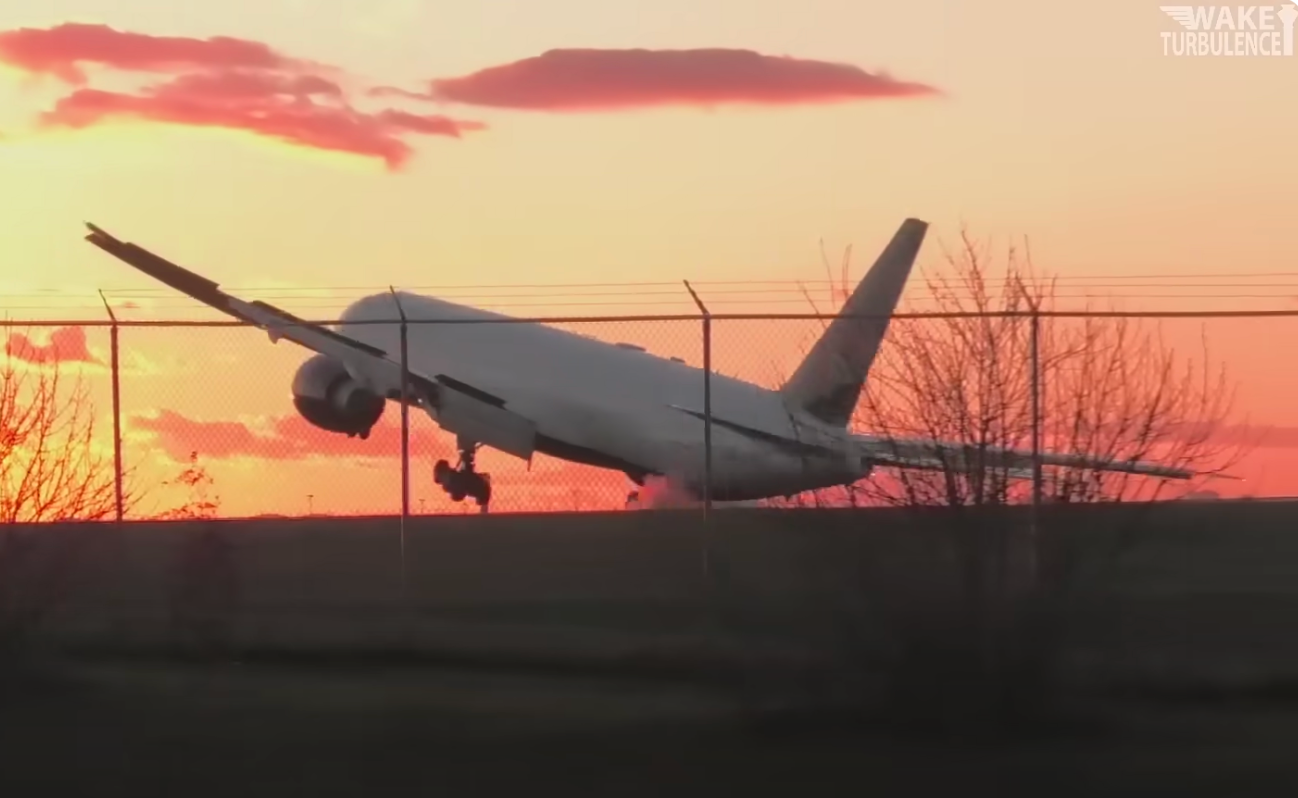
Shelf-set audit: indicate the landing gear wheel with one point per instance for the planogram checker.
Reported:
(463, 482)
(482, 491)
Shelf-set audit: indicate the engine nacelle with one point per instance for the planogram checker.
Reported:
(327, 396)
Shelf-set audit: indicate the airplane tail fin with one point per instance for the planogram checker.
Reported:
(827, 384)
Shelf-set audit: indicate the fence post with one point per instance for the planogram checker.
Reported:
(405, 429)
(707, 400)
(116, 376)
(1037, 476)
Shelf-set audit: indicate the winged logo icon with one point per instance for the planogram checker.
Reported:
(1182, 14)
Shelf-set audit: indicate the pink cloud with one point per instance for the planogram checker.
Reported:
(217, 82)
(67, 345)
(302, 111)
(288, 437)
(64, 50)
(595, 80)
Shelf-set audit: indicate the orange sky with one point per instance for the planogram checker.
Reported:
(1064, 124)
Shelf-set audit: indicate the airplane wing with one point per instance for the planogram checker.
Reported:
(789, 445)
(927, 454)
(457, 407)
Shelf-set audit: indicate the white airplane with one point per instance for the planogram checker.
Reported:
(524, 387)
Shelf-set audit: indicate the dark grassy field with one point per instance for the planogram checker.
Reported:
(227, 730)
(590, 655)
(1196, 587)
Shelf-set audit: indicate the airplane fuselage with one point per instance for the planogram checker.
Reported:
(610, 405)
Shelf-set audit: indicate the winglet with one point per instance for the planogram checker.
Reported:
(158, 268)
(97, 235)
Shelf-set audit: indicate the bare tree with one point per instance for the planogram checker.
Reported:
(56, 463)
(978, 619)
(54, 468)
(51, 469)
(959, 386)
(1110, 387)
(201, 502)
(51, 465)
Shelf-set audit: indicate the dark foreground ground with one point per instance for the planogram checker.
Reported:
(1207, 595)
(199, 730)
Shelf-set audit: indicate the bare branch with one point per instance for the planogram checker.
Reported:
(53, 467)
(1114, 389)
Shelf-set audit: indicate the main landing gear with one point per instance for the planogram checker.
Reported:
(462, 481)
(633, 497)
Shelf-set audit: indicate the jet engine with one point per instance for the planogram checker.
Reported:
(328, 397)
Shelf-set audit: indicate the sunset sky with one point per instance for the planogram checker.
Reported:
(343, 146)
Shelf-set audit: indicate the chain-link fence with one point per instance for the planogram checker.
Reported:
(145, 420)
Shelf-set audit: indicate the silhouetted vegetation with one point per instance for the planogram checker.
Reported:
(57, 466)
(200, 502)
(977, 643)
(53, 464)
